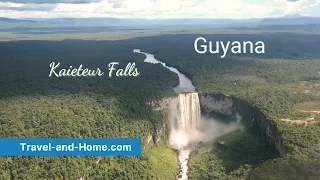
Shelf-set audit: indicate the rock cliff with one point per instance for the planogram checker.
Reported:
(216, 103)
(268, 130)
(261, 125)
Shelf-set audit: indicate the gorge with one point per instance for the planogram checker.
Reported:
(189, 127)
(185, 117)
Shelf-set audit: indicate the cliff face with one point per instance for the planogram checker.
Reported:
(156, 135)
(160, 131)
(262, 126)
(216, 103)
(268, 131)
(161, 104)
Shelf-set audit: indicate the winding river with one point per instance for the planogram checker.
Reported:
(185, 86)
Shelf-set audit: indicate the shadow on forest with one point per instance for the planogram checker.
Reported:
(243, 148)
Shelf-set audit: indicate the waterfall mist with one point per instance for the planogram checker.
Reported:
(188, 127)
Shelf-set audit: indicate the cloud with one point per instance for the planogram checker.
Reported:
(117, 5)
(158, 8)
(27, 7)
(116, 1)
(51, 1)
(303, 7)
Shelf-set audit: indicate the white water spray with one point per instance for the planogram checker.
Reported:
(189, 113)
(185, 119)
(187, 126)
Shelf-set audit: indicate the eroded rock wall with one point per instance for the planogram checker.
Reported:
(216, 103)
(268, 130)
(263, 126)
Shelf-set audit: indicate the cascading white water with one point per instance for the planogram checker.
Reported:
(187, 126)
(188, 112)
(184, 126)
(185, 117)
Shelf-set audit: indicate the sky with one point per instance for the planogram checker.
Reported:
(158, 9)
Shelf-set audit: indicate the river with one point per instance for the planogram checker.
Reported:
(185, 86)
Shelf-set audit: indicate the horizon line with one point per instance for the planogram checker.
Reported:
(174, 18)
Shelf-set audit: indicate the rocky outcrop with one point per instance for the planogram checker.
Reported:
(161, 104)
(216, 103)
(159, 131)
(149, 138)
(156, 136)
(268, 130)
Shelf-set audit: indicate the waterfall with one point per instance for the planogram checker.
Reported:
(185, 120)
(188, 113)
(186, 117)
(187, 128)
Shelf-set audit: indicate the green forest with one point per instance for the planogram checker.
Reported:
(34, 105)
(284, 84)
